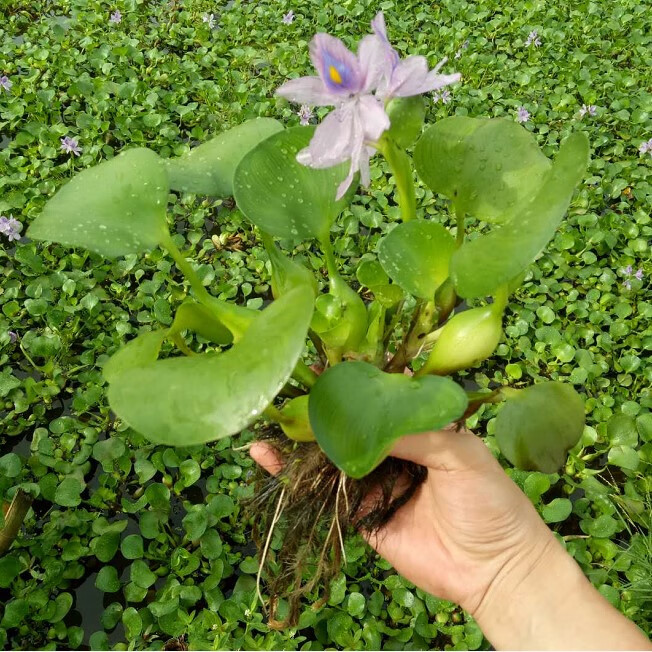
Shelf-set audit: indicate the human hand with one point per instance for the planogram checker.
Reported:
(469, 535)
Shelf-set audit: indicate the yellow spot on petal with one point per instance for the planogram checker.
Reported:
(335, 74)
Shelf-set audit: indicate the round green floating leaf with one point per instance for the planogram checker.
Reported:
(115, 208)
(194, 400)
(538, 426)
(209, 168)
(487, 167)
(357, 412)
(416, 256)
(481, 265)
(284, 197)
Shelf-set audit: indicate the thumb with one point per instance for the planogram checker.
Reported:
(448, 449)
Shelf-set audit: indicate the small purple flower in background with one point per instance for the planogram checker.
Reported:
(116, 17)
(533, 39)
(304, 113)
(358, 86)
(629, 272)
(463, 47)
(209, 19)
(444, 97)
(646, 147)
(13, 337)
(10, 227)
(5, 83)
(627, 285)
(70, 146)
(523, 115)
(288, 18)
(591, 109)
(639, 275)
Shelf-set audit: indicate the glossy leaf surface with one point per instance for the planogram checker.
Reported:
(358, 411)
(208, 169)
(538, 426)
(115, 208)
(282, 196)
(486, 262)
(416, 256)
(193, 400)
(487, 167)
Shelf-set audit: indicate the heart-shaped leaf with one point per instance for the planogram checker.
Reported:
(282, 196)
(209, 168)
(193, 400)
(358, 411)
(538, 426)
(487, 167)
(416, 255)
(115, 208)
(479, 266)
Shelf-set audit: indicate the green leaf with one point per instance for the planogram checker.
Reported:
(68, 492)
(195, 317)
(132, 546)
(193, 400)
(286, 273)
(99, 641)
(624, 456)
(211, 544)
(107, 451)
(133, 623)
(538, 426)
(106, 546)
(208, 169)
(62, 604)
(107, 579)
(141, 575)
(557, 510)
(487, 167)
(195, 523)
(10, 465)
(357, 412)
(406, 115)
(283, 197)
(139, 352)
(10, 568)
(416, 255)
(115, 208)
(481, 265)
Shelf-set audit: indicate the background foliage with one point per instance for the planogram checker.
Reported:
(130, 544)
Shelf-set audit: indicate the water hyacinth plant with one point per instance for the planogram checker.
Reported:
(338, 371)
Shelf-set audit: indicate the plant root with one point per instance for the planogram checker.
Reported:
(314, 505)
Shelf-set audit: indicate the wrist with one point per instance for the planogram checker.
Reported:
(540, 599)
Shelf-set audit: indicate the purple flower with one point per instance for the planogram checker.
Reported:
(13, 337)
(70, 146)
(463, 47)
(304, 113)
(591, 109)
(533, 39)
(5, 83)
(639, 275)
(116, 17)
(348, 82)
(444, 97)
(288, 18)
(628, 270)
(10, 227)
(646, 147)
(410, 76)
(209, 19)
(627, 285)
(523, 115)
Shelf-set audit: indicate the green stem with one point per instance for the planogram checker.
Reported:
(187, 270)
(500, 298)
(274, 414)
(331, 264)
(14, 519)
(399, 163)
(304, 374)
(459, 217)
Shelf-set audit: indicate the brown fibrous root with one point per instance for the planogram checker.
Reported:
(314, 506)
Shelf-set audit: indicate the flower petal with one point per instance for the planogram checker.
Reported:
(408, 77)
(337, 66)
(435, 81)
(374, 62)
(334, 140)
(307, 90)
(373, 117)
